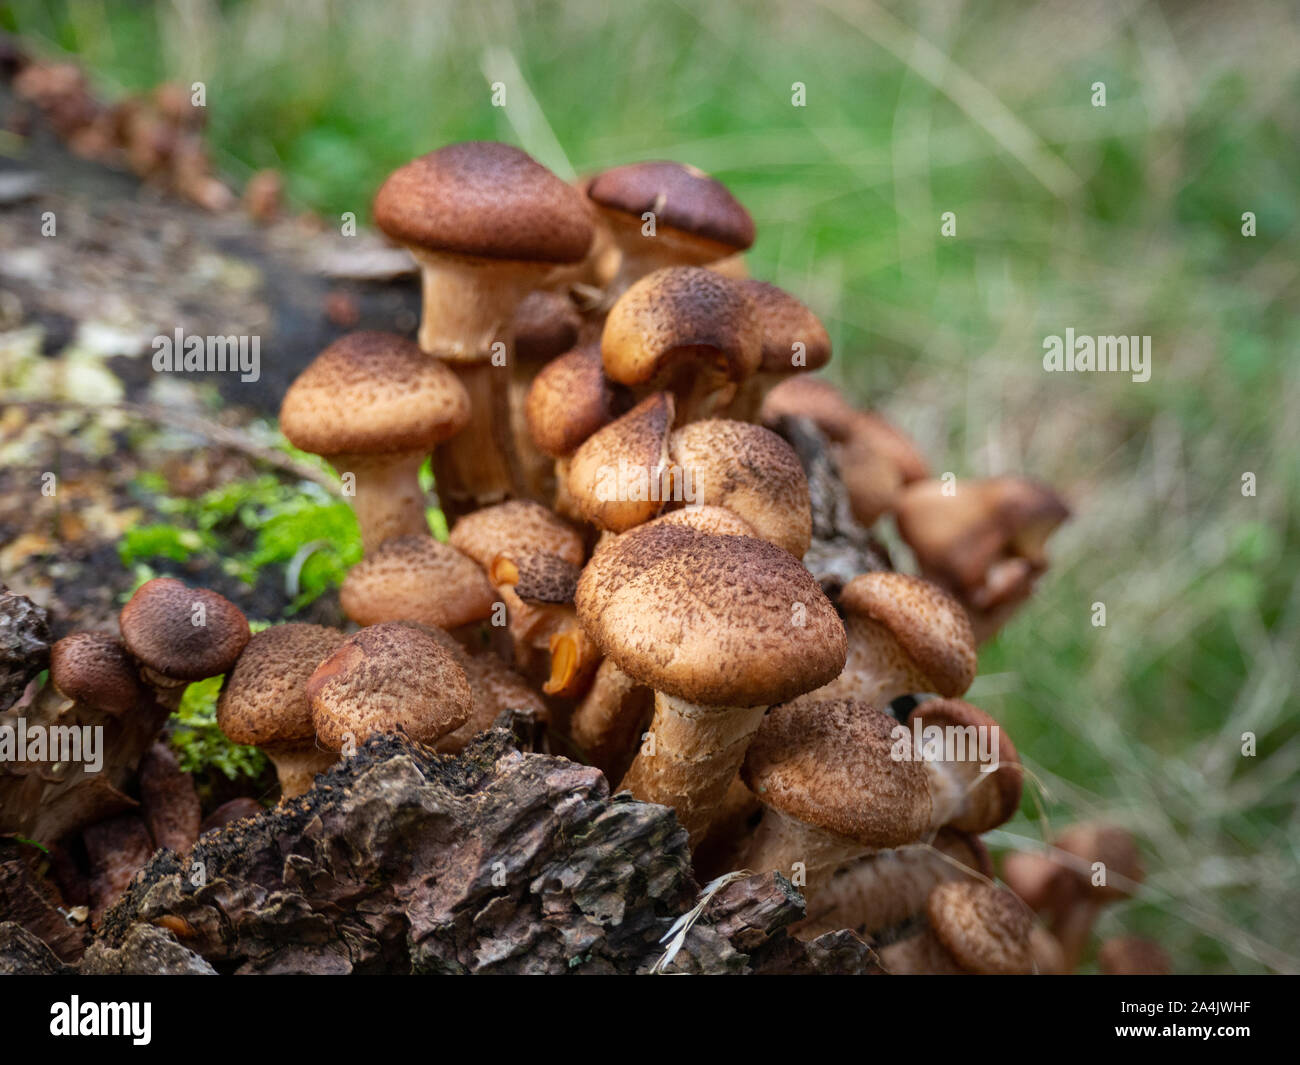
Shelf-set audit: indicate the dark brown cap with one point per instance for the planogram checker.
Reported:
(718, 620)
(546, 325)
(569, 400)
(486, 200)
(681, 197)
(94, 668)
(416, 578)
(183, 633)
(785, 323)
(829, 764)
(373, 393)
(538, 577)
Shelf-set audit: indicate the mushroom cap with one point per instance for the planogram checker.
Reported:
(181, 632)
(537, 576)
(1111, 845)
(264, 700)
(929, 625)
(815, 398)
(830, 765)
(388, 678)
(486, 200)
(985, 928)
(516, 525)
(752, 472)
(618, 478)
(373, 393)
(716, 620)
(708, 519)
(786, 321)
(681, 314)
(875, 432)
(681, 197)
(95, 669)
(1042, 882)
(417, 578)
(569, 400)
(546, 325)
(496, 688)
(994, 802)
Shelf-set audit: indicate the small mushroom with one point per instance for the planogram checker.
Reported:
(264, 701)
(1113, 865)
(514, 526)
(695, 219)
(620, 476)
(180, 634)
(374, 405)
(388, 678)
(608, 722)
(720, 627)
(94, 669)
(972, 927)
(832, 790)
(685, 330)
(794, 342)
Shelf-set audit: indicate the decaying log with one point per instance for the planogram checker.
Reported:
(24, 644)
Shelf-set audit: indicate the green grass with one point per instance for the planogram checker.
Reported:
(1123, 219)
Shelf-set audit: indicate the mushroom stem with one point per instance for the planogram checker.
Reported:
(690, 757)
(388, 501)
(478, 467)
(877, 670)
(168, 691)
(640, 255)
(781, 841)
(1073, 927)
(610, 717)
(296, 766)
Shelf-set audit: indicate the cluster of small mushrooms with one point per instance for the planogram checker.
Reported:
(592, 379)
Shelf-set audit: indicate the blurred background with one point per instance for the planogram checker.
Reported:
(1118, 219)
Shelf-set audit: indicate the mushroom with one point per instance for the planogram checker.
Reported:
(94, 669)
(620, 476)
(967, 791)
(418, 578)
(685, 330)
(488, 225)
(611, 717)
(1133, 956)
(264, 701)
(972, 928)
(749, 470)
(168, 801)
(388, 678)
(116, 848)
(374, 405)
(180, 634)
(832, 790)
(720, 627)
(794, 341)
(1043, 883)
(696, 220)
(719, 521)
(1114, 866)
(515, 526)
(571, 398)
(985, 541)
(892, 886)
(905, 636)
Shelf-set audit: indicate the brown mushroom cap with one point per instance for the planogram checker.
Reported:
(985, 928)
(1043, 883)
(264, 700)
(546, 325)
(537, 577)
(930, 625)
(569, 400)
(829, 765)
(95, 669)
(618, 478)
(486, 200)
(708, 519)
(1111, 845)
(814, 398)
(996, 801)
(718, 620)
(388, 678)
(750, 471)
(373, 393)
(786, 321)
(516, 525)
(681, 197)
(158, 627)
(681, 314)
(417, 578)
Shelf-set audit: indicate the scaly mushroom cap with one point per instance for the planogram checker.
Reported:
(706, 519)
(373, 393)
(264, 698)
(929, 625)
(985, 928)
(485, 200)
(183, 633)
(752, 472)
(677, 318)
(829, 765)
(94, 668)
(516, 525)
(417, 578)
(991, 802)
(682, 198)
(874, 432)
(569, 400)
(538, 577)
(388, 678)
(546, 325)
(785, 323)
(618, 478)
(716, 620)
(1111, 845)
